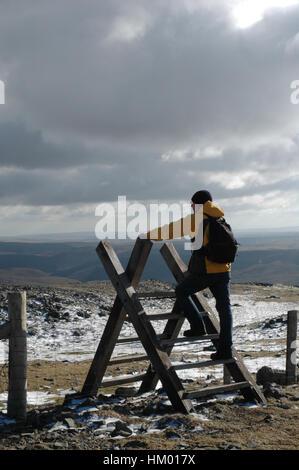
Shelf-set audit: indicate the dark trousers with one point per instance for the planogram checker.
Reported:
(219, 285)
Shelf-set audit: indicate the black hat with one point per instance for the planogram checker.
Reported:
(200, 197)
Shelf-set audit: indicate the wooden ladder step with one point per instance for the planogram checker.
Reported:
(129, 339)
(156, 295)
(160, 316)
(187, 365)
(168, 316)
(165, 316)
(189, 339)
(132, 339)
(124, 380)
(127, 359)
(194, 365)
(215, 390)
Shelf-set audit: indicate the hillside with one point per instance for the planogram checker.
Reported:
(270, 259)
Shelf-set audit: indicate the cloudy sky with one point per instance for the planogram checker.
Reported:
(149, 100)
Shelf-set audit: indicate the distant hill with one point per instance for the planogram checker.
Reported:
(272, 258)
(33, 276)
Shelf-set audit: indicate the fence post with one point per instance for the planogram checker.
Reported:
(17, 368)
(291, 366)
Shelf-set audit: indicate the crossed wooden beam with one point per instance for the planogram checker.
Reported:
(158, 348)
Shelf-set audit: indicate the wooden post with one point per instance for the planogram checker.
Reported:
(17, 387)
(226, 375)
(291, 366)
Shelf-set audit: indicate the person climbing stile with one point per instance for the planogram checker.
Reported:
(203, 272)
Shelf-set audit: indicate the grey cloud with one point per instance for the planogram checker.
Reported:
(90, 115)
(147, 179)
(22, 147)
(189, 78)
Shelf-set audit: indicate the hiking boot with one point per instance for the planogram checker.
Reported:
(189, 333)
(221, 355)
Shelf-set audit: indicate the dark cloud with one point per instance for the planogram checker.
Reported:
(183, 78)
(152, 100)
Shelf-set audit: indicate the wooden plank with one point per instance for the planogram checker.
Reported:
(127, 359)
(129, 339)
(171, 331)
(122, 380)
(5, 330)
(166, 316)
(161, 316)
(197, 365)
(159, 359)
(133, 339)
(116, 320)
(156, 295)
(218, 389)
(191, 339)
(226, 375)
(237, 369)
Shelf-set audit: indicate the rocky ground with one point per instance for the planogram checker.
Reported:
(118, 418)
(120, 422)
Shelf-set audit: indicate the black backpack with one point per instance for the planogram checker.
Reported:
(222, 246)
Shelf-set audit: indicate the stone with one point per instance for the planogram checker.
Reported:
(267, 375)
(70, 422)
(268, 419)
(126, 391)
(59, 445)
(253, 444)
(32, 331)
(121, 429)
(229, 446)
(134, 444)
(272, 391)
(171, 434)
(84, 314)
(78, 332)
(284, 406)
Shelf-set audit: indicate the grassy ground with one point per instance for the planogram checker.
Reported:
(270, 427)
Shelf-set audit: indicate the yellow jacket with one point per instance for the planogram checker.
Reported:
(189, 226)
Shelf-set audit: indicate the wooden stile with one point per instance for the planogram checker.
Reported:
(158, 348)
